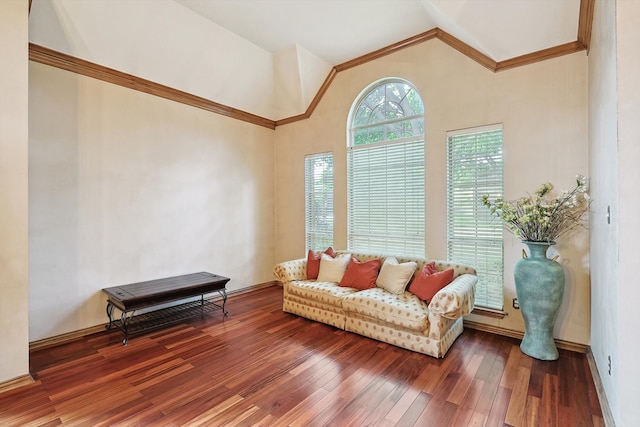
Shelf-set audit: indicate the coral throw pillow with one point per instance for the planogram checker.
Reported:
(361, 275)
(394, 277)
(427, 284)
(313, 262)
(333, 269)
(429, 268)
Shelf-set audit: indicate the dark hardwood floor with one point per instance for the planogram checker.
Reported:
(260, 366)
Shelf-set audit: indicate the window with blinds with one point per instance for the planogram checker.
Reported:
(474, 237)
(318, 178)
(385, 171)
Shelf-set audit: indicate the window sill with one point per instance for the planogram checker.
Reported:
(487, 312)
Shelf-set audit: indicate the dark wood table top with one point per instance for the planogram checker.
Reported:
(145, 294)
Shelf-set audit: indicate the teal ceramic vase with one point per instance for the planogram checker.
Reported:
(540, 288)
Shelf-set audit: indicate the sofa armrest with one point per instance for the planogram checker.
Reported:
(456, 299)
(291, 270)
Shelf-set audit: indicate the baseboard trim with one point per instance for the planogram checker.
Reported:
(562, 344)
(254, 288)
(63, 338)
(16, 382)
(607, 415)
(70, 336)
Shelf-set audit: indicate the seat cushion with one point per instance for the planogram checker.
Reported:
(324, 292)
(404, 310)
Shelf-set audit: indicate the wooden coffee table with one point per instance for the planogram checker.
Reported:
(137, 296)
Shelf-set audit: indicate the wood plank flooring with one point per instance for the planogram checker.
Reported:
(262, 367)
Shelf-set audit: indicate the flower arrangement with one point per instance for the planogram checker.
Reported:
(541, 217)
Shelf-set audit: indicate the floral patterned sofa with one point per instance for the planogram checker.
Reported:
(401, 319)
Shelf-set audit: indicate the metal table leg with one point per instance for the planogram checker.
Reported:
(223, 292)
(109, 314)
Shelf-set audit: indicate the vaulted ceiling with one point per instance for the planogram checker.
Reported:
(270, 59)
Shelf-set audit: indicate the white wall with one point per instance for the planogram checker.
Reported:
(125, 187)
(614, 132)
(544, 111)
(298, 75)
(14, 320)
(603, 167)
(628, 60)
(200, 57)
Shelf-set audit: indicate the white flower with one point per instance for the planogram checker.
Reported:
(543, 218)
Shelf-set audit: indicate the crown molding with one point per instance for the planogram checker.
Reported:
(541, 55)
(63, 61)
(376, 54)
(585, 22)
(314, 102)
(467, 50)
(459, 45)
(66, 62)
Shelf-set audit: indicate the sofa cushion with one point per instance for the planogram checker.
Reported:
(404, 310)
(313, 262)
(333, 269)
(429, 268)
(361, 275)
(394, 277)
(429, 281)
(324, 292)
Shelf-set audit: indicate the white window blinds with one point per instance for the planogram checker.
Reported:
(474, 237)
(386, 198)
(318, 177)
(385, 172)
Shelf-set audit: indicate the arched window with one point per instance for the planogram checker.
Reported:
(385, 170)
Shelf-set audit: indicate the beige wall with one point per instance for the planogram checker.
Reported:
(125, 187)
(543, 108)
(14, 320)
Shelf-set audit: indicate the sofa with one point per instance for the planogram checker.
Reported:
(397, 315)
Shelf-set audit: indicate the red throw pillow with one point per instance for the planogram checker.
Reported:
(426, 285)
(430, 268)
(361, 275)
(313, 262)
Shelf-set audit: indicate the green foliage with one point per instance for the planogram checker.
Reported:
(388, 113)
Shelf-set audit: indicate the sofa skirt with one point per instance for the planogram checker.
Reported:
(408, 339)
(327, 314)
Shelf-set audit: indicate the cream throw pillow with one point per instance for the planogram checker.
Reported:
(332, 269)
(394, 277)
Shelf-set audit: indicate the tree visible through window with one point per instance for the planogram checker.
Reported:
(318, 200)
(474, 237)
(386, 171)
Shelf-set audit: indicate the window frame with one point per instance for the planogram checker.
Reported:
(482, 244)
(399, 234)
(318, 236)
